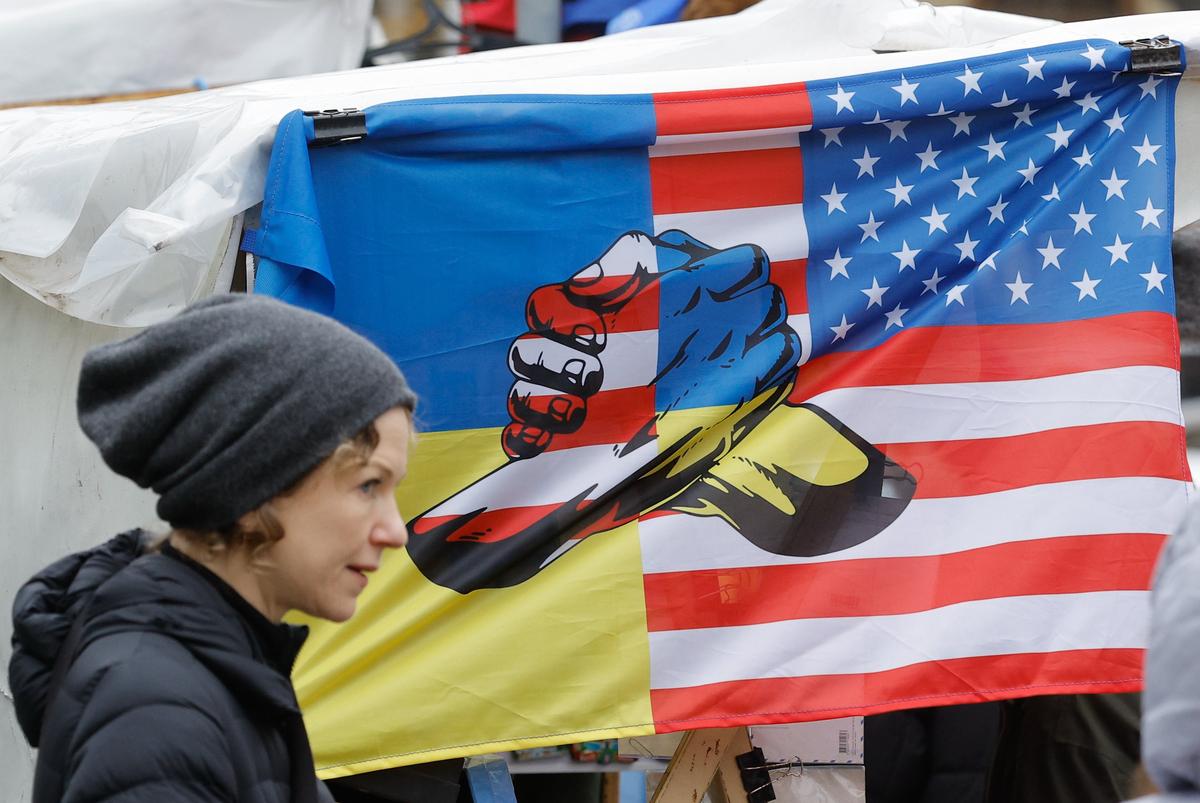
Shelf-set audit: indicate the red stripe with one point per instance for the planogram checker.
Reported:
(738, 109)
(488, 525)
(998, 352)
(791, 277)
(989, 465)
(613, 416)
(734, 180)
(959, 680)
(885, 586)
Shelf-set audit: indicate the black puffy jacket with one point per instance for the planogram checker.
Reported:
(177, 692)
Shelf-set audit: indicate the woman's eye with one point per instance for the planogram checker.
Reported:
(369, 486)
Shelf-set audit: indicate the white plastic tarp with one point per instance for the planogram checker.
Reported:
(57, 49)
(120, 213)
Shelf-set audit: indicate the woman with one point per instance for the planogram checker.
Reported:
(275, 439)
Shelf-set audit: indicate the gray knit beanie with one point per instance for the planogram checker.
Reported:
(231, 402)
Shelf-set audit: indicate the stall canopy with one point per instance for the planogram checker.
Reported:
(751, 405)
(59, 49)
(121, 213)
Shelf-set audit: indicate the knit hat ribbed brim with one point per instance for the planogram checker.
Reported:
(231, 402)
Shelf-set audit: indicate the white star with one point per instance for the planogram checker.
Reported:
(907, 256)
(990, 262)
(1084, 159)
(1053, 194)
(870, 228)
(1149, 215)
(955, 294)
(1154, 279)
(896, 129)
(929, 158)
(997, 210)
(1004, 101)
(1064, 89)
(1060, 136)
(1150, 87)
(941, 112)
(1087, 286)
(1029, 172)
(866, 165)
(837, 265)
(874, 293)
(1116, 122)
(970, 81)
(876, 120)
(1019, 290)
(1088, 104)
(834, 199)
(1033, 68)
(842, 99)
(932, 282)
(1096, 57)
(1119, 251)
(1022, 230)
(1114, 185)
(832, 135)
(936, 220)
(1145, 151)
(1050, 254)
(994, 148)
(1083, 220)
(895, 318)
(840, 331)
(966, 249)
(1024, 116)
(900, 193)
(966, 184)
(962, 123)
(907, 91)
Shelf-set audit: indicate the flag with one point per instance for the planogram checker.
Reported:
(750, 405)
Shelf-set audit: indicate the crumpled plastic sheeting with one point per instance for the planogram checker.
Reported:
(117, 214)
(57, 49)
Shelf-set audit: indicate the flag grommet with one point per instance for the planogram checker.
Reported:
(337, 126)
(1157, 54)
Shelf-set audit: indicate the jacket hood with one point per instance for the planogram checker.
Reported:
(43, 612)
(118, 591)
(1171, 702)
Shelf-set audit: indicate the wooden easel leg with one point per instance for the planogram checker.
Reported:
(701, 757)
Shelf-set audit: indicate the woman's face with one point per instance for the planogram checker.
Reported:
(336, 525)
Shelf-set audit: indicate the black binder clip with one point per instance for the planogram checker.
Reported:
(756, 776)
(337, 126)
(1157, 54)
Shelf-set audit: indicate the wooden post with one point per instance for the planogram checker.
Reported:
(702, 756)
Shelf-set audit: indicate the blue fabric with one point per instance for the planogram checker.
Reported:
(644, 14)
(407, 235)
(831, 162)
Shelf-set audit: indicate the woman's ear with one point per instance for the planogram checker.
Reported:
(251, 522)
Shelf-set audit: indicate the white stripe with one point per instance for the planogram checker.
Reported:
(727, 141)
(549, 478)
(938, 526)
(969, 410)
(851, 645)
(778, 230)
(629, 359)
(801, 324)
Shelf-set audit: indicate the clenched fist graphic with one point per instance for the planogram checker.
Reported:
(721, 437)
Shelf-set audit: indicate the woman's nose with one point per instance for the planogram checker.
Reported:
(391, 532)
